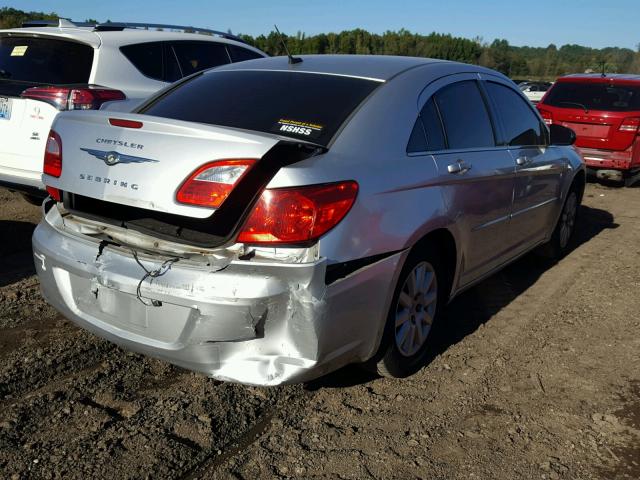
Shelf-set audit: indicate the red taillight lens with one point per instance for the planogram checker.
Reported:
(298, 215)
(54, 193)
(67, 98)
(53, 155)
(547, 116)
(211, 184)
(630, 124)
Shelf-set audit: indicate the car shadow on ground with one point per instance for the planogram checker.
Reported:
(16, 258)
(477, 305)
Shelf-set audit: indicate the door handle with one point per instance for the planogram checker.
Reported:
(522, 161)
(460, 167)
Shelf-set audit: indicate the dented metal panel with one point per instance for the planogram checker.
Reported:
(267, 320)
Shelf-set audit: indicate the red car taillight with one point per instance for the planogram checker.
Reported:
(68, 98)
(211, 184)
(547, 116)
(53, 155)
(630, 124)
(299, 214)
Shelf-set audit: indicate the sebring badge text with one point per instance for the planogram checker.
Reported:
(108, 181)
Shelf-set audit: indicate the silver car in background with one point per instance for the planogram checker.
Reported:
(271, 221)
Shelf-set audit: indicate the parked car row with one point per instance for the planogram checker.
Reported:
(534, 91)
(271, 220)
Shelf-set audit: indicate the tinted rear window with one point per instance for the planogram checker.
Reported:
(44, 60)
(299, 105)
(194, 56)
(239, 54)
(146, 57)
(594, 96)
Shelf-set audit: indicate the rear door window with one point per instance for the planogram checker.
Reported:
(292, 104)
(521, 125)
(44, 61)
(194, 56)
(172, 72)
(146, 57)
(465, 116)
(594, 96)
(239, 54)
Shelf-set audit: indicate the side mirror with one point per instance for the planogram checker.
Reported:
(561, 135)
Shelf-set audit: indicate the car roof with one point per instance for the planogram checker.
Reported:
(84, 35)
(373, 67)
(119, 37)
(600, 78)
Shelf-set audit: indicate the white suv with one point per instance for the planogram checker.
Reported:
(45, 69)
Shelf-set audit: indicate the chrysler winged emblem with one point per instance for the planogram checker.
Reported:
(111, 158)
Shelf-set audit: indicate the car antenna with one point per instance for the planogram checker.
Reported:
(292, 60)
(603, 72)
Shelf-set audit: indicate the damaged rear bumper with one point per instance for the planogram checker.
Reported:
(253, 322)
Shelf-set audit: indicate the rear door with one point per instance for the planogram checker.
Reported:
(27, 61)
(539, 168)
(476, 177)
(601, 113)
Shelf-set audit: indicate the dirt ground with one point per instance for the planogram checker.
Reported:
(534, 374)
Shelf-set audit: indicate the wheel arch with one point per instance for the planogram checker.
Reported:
(579, 182)
(444, 241)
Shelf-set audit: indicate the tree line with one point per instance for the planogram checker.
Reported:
(516, 62)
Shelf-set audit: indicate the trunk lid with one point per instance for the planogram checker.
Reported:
(144, 167)
(596, 129)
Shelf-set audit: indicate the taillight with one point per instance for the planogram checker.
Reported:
(211, 184)
(53, 155)
(54, 193)
(298, 215)
(547, 116)
(630, 124)
(68, 98)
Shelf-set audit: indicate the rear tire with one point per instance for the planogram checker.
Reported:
(417, 300)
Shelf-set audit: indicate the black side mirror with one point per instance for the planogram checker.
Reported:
(561, 135)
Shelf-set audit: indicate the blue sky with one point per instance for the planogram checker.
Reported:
(595, 23)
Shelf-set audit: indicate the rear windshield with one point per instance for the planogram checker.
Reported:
(44, 60)
(594, 96)
(300, 105)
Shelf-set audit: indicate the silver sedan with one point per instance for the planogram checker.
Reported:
(271, 221)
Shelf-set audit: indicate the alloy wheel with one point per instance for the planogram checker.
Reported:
(568, 219)
(416, 309)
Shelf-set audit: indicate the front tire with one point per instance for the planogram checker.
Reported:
(560, 241)
(414, 309)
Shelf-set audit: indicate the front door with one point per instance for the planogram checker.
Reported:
(538, 168)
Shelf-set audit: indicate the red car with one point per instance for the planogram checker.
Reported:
(604, 112)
